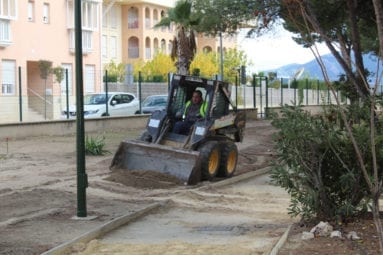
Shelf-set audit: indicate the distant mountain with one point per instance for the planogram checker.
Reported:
(312, 68)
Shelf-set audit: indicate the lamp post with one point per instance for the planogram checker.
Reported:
(82, 180)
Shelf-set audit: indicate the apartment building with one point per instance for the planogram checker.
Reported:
(128, 33)
(35, 30)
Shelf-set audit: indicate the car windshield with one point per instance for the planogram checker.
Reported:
(154, 101)
(95, 99)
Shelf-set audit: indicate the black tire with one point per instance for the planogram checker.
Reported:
(210, 160)
(146, 137)
(229, 158)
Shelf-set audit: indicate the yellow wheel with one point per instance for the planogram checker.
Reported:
(213, 162)
(210, 155)
(229, 158)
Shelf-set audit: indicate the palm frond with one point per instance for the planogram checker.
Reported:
(164, 22)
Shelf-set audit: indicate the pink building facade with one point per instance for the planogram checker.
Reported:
(35, 30)
(112, 30)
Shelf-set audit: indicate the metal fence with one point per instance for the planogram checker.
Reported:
(263, 94)
(33, 99)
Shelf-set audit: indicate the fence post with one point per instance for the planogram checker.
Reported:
(169, 81)
(317, 92)
(67, 92)
(139, 90)
(254, 93)
(307, 91)
(20, 97)
(260, 96)
(295, 91)
(281, 91)
(106, 93)
(267, 97)
(236, 91)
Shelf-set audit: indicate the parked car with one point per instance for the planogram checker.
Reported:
(119, 104)
(154, 103)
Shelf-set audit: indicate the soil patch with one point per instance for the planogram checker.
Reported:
(364, 228)
(144, 179)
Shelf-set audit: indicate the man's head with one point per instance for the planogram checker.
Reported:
(197, 97)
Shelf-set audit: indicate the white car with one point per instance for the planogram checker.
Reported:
(119, 104)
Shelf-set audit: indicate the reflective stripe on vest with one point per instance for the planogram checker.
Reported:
(202, 108)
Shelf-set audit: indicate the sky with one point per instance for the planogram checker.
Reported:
(274, 50)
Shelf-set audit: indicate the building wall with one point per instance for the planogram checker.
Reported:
(147, 36)
(35, 38)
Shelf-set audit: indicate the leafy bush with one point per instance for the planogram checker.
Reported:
(110, 78)
(318, 166)
(95, 146)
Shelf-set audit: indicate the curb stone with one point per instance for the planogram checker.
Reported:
(281, 241)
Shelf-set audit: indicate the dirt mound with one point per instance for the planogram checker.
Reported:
(144, 179)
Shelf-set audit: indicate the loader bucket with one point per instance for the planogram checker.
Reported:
(138, 155)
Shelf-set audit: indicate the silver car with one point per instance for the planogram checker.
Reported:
(154, 103)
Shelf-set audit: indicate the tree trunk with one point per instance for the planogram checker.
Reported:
(377, 222)
(355, 38)
(378, 6)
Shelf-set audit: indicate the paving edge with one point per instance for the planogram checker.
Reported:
(104, 229)
(281, 241)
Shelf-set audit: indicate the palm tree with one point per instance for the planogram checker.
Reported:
(184, 44)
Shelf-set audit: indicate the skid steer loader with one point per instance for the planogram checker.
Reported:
(208, 151)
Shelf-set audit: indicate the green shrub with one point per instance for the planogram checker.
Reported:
(111, 78)
(95, 146)
(317, 165)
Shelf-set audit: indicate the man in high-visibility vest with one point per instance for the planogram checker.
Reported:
(195, 109)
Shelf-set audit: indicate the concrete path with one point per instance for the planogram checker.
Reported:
(235, 216)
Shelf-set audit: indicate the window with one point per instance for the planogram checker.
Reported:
(147, 18)
(103, 46)
(63, 82)
(113, 17)
(8, 9)
(8, 73)
(90, 15)
(90, 75)
(125, 99)
(5, 33)
(46, 13)
(8, 12)
(133, 48)
(31, 10)
(148, 53)
(133, 18)
(105, 16)
(87, 43)
(113, 47)
(163, 46)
